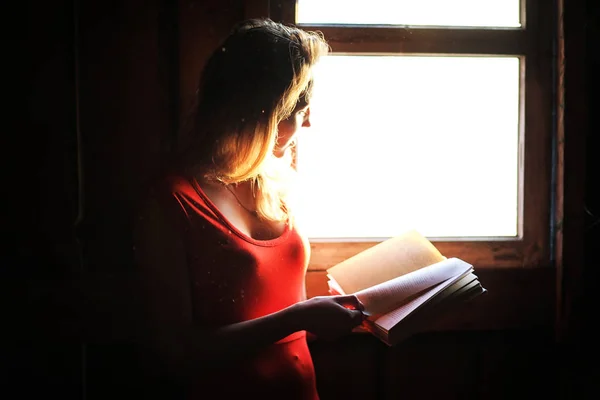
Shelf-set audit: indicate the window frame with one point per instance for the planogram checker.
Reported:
(533, 44)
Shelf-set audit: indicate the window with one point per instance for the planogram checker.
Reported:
(437, 151)
(429, 114)
(468, 13)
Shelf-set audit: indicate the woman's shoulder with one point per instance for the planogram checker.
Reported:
(180, 195)
(161, 195)
(170, 185)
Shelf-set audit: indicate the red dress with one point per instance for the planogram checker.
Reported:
(236, 278)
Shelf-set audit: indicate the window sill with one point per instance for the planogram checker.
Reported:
(481, 253)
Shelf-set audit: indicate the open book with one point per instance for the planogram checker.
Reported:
(404, 283)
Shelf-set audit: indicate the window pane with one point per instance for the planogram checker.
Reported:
(495, 13)
(401, 142)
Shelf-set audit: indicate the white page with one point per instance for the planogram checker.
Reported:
(386, 260)
(389, 320)
(387, 296)
(334, 287)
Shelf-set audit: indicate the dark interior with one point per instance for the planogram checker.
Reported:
(106, 84)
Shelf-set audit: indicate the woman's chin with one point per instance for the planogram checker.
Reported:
(281, 152)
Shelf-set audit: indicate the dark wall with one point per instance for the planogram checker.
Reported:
(592, 194)
(583, 350)
(40, 210)
(113, 79)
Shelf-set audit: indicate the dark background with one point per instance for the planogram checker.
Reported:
(105, 84)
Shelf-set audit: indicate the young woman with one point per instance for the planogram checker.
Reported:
(220, 254)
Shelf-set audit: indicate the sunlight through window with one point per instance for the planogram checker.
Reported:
(403, 142)
(475, 13)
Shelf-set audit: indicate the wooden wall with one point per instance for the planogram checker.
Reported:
(115, 78)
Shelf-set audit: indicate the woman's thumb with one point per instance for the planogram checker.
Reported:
(351, 302)
(357, 316)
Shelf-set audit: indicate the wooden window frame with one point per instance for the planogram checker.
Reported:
(532, 43)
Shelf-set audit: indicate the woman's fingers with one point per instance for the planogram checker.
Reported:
(357, 317)
(350, 301)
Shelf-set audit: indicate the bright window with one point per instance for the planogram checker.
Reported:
(402, 142)
(428, 114)
(488, 13)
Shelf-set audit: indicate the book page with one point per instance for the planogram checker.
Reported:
(334, 288)
(387, 260)
(472, 285)
(389, 320)
(387, 296)
(455, 288)
(430, 316)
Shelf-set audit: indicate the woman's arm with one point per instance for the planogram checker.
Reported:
(184, 346)
(326, 316)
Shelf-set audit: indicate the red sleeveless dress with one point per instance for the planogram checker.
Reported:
(236, 278)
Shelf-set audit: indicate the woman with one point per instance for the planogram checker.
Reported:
(221, 256)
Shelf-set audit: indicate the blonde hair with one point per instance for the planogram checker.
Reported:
(251, 83)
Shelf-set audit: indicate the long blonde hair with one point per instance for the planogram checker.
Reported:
(251, 83)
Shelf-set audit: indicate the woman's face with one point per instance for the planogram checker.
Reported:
(289, 128)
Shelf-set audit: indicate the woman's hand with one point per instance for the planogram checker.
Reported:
(329, 317)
